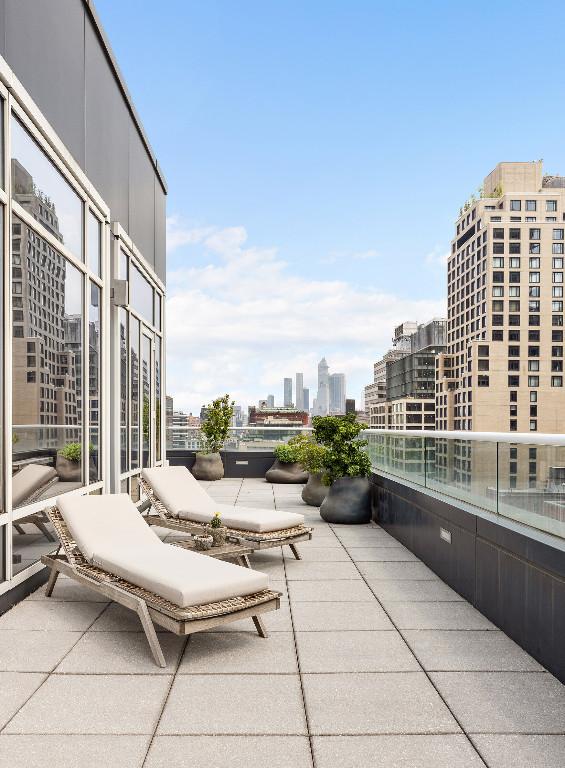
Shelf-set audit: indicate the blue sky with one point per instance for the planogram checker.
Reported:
(317, 154)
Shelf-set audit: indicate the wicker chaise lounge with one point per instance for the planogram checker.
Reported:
(108, 547)
(182, 504)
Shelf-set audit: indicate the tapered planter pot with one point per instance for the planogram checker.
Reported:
(286, 473)
(314, 492)
(348, 501)
(208, 466)
(68, 471)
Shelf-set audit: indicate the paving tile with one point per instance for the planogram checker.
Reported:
(407, 571)
(39, 751)
(456, 615)
(354, 651)
(15, 689)
(412, 591)
(231, 704)
(329, 591)
(518, 751)
(106, 653)
(372, 703)
(504, 702)
(381, 554)
(93, 704)
(302, 570)
(232, 751)
(51, 615)
(446, 751)
(34, 650)
(334, 616)
(274, 621)
(240, 652)
(322, 555)
(469, 650)
(68, 590)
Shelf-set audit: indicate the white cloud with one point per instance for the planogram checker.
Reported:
(179, 234)
(437, 257)
(244, 321)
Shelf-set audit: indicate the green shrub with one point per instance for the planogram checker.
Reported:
(287, 453)
(217, 424)
(344, 456)
(216, 521)
(71, 452)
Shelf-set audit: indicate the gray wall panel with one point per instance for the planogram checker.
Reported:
(141, 197)
(3, 28)
(160, 231)
(45, 48)
(107, 131)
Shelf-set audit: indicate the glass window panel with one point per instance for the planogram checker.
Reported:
(134, 391)
(124, 416)
(141, 295)
(42, 190)
(158, 311)
(157, 399)
(94, 379)
(124, 266)
(94, 243)
(146, 384)
(47, 348)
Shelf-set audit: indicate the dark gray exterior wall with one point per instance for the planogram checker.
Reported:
(56, 50)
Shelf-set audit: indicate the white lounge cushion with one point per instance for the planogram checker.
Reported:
(243, 518)
(185, 578)
(28, 480)
(178, 489)
(112, 520)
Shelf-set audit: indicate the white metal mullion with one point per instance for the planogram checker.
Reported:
(85, 436)
(7, 346)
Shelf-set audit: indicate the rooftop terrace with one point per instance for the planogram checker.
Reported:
(372, 660)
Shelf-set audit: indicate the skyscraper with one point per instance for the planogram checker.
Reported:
(299, 391)
(270, 401)
(323, 396)
(503, 367)
(306, 399)
(287, 392)
(337, 393)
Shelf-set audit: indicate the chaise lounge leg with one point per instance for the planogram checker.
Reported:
(150, 634)
(295, 552)
(53, 576)
(260, 627)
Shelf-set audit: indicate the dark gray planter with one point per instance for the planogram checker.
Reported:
(68, 471)
(208, 466)
(314, 492)
(286, 473)
(348, 501)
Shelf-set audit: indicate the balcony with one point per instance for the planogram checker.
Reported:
(372, 660)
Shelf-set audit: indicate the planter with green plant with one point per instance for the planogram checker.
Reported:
(68, 463)
(287, 467)
(312, 456)
(208, 464)
(217, 530)
(346, 469)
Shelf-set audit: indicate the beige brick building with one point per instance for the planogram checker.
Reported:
(503, 368)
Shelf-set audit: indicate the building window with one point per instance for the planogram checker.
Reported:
(557, 248)
(498, 247)
(534, 262)
(533, 381)
(515, 205)
(535, 233)
(513, 381)
(534, 277)
(498, 233)
(514, 248)
(557, 381)
(557, 306)
(483, 381)
(531, 205)
(533, 425)
(557, 234)
(533, 365)
(557, 277)
(551, 205)
(498, 262)
(514, 291)
(514, 263)
(557, 263)
(533, 291)
(514, 234)
(497, 290)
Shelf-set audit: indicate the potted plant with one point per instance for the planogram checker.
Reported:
(346, 469)
(312, 456)
(208, 464)
(287, 468)
(217, 530)
(68, 463)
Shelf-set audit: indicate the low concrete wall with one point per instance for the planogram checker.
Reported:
(513, 575)
(236, 463)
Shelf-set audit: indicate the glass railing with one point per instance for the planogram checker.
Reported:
(239, 438)
(517, 476)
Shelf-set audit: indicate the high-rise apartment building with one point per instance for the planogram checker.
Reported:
(503, 367)
(287, 393)
(322, 400)
(306, 399)
(337, 393)
(299, 386)
(270, 401)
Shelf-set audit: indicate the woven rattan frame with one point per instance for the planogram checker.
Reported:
(277, 538)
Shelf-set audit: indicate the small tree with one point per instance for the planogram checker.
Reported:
(217, 424)
(345, 456)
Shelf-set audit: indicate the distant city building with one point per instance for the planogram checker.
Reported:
(299, 389)
(322, 399)
(502, 370)
(350, 405)
(287, 393)
(270, 401)
(168, 408)
(306, 399)
(337, 393)
(277, 417)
